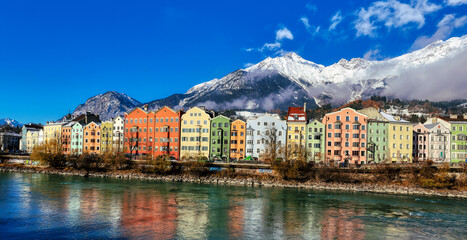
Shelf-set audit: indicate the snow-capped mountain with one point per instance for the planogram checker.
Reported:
(107, 105)
(10, 122)
(290, 80)
(436, 72)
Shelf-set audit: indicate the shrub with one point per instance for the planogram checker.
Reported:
(49, 153)
(293, 170)
(197, 168)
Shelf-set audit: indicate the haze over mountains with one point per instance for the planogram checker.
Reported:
(437, 72)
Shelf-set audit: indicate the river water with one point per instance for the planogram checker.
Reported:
(39, 206)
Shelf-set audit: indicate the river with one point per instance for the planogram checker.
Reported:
(40, 206)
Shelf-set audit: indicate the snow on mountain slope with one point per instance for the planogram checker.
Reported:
(290, 80)
(10, 122)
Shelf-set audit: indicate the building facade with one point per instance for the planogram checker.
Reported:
(220, 137)
(164, 131)
(439, 143)
(107, 137)
(91, 138)
(77, 139)
(265, 137)
(195, 134)
(400, 139)
(346, 132)
(53, 131)
(377, 141)
(315, 136)
(66, 137)
(136, 132)
(420, 143)
(237, 139)
(32, 139)
(118, 134)
(296, 131)
(9, 141)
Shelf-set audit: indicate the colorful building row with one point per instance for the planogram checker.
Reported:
(344, 136)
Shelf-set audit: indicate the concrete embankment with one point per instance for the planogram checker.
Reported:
(253, 181)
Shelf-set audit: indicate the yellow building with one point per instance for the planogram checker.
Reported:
(106, 136)
(53, 131)
(296, 132)
(400, 139)
(32, 139)
(195, 134)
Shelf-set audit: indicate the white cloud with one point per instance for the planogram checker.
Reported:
(249, 49)
(247, 65)
(392, 14)
(455, 2)
(283, 33)
(305, 22)
(312, 29)
(336, 19)
(270, 46)
(372, 55)
(445, 28)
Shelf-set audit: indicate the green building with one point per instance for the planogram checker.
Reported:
(377, 140)
(220, 137)
(458, 141)
(77, 139)
(315, 136)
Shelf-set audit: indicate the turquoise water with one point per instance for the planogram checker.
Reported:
(36, 206)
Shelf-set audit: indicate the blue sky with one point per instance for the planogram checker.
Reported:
(56, 54)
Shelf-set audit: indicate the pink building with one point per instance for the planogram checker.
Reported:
(346, 133)
(420, 142)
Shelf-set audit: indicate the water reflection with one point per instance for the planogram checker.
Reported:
(47, 207)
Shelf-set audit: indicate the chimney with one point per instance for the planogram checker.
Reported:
(304, 107)
(145, 107)
(465, 116)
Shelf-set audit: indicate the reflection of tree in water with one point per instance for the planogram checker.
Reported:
(342, 224)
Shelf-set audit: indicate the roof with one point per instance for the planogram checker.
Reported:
(296, 114)
(430, 126)
(392, 118)
(459, 118)
(70, 124)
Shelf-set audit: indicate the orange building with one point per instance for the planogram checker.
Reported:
(91, 138)
(346, 132)
(164, 131)
(66, 137)
(136, 132)
(237, 139)
(155, 133)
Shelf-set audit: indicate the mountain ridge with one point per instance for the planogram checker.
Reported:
(290, 80)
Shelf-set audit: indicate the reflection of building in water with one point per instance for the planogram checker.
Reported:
(236, 220)
(89, 203)
(149, 215)
(264, 218)
(342, 224)
(192, 218)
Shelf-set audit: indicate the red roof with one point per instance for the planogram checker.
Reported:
(296, 114)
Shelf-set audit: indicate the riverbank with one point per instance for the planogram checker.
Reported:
(253, 181)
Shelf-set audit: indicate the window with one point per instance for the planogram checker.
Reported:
(347, 118)
(338, 118)
(356, 119)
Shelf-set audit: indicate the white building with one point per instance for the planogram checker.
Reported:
(439, 142)
(118, 138)
(261, 131)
